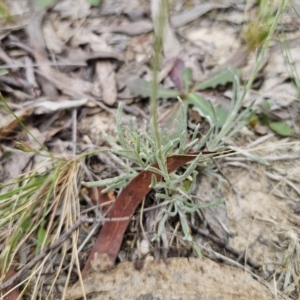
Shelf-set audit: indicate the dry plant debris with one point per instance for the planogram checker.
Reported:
(65, 67)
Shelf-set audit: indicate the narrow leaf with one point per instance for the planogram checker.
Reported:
(281, 128)
(265, 104)
(203, 107)
(95, 2)
(176, 74)
(221, 78)
(44, 3)
(140, 87)
(187, 76)
(42, 239)
(250, 155)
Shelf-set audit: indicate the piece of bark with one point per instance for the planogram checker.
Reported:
(13, 294)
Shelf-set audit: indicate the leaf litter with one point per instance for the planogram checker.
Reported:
(84, 58)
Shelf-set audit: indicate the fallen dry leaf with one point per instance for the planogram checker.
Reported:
(47, 106)
(178, 20)
(18, 162)
(78, 55)
(16, 93)
(131, 29)
(186, 17)
(8, 123)
(261, 129)
(74, 9)
(176, 74)
(105, 75)
(74, 87)
(98, 197)
(53, 43)
(69, 86)
(30, 77)
(8, 60)
(36, 40)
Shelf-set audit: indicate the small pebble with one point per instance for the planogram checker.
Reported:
(144, 247)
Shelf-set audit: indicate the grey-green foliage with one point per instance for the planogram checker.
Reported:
(139, 149)
(221, 78)
(234, 120)
(143, 149)
(44, 3)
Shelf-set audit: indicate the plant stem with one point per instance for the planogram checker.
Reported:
(157, 47)
(264, 47)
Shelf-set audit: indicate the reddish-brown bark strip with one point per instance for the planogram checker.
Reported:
(15, 293)
(111, 235)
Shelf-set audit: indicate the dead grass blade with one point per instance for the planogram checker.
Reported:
(36, 204)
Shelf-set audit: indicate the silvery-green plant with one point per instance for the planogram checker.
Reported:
(144, 149)
(141, 150)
